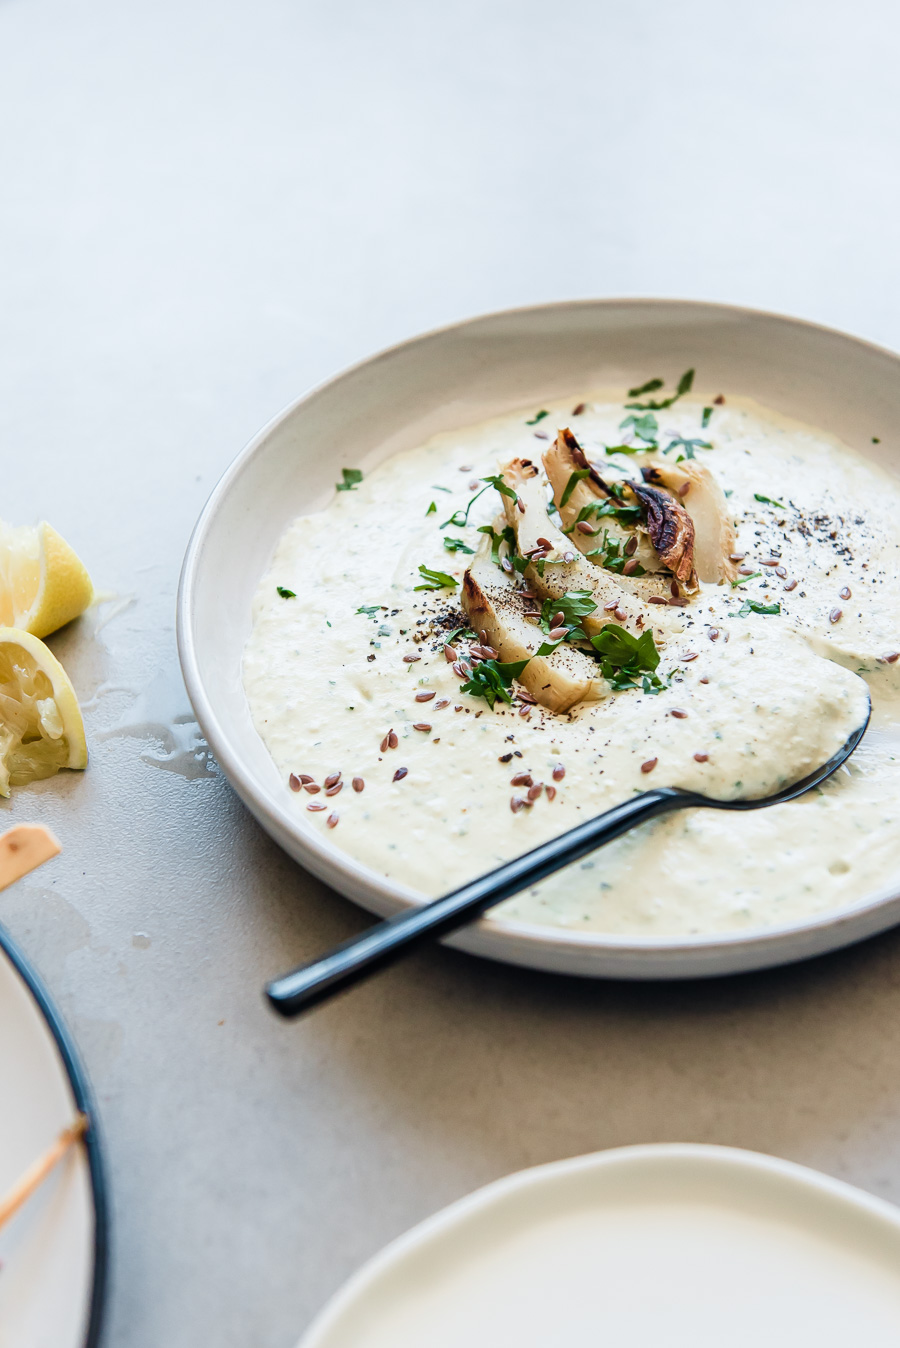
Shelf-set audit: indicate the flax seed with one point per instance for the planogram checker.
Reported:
(608, 608)
(630, 566)
(713, 634)
(444, 702)
(520, 505)
(425, 696)
(684, 489)
(657, 599)
(649, 765)
(332, 820)
(316, 805)
(522, 779)
(577, 411)
(556, 633)
(422, 725)
(846, 592)
(584, 527)
(630, 547)
(535, 791)
(688, 655)
(790, 585)
(516, 804)
(737, 556)
(559, 772)
(312, 788)
(544, 543)
(679, 713)
(358, 784)
(835, 615)
(400, 774)
(411, 659)
(335, 790)
(294, 782)
(551, 792)
(701, 758)
(620, 615)
(332, 779)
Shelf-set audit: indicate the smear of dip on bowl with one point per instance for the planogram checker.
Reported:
(515, 626)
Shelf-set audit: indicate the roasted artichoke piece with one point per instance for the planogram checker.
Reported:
(565, 457)
(671, 531)
(564, 569)
(701, 496)
(664, 536)
(494, 606)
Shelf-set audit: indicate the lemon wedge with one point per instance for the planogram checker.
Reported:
(41, 729)
(43, 583)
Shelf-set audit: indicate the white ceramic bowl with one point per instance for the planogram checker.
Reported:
(666, 1244)
(451, 378)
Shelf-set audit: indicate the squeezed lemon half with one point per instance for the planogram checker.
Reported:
(41, 729)
(43, 583)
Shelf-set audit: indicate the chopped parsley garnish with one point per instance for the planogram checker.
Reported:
(767, 500)
(613, 556)
(369, 609)
(623, 514)
(573, 605)
(742, 580)
(629, 449)
(625, 660)
(432, 509)
(650, 387)
(436, 486)
(435, 580)
(352, 478)
(876, 440)
(459, 519)
(457, 545)
(577, 476)
(507, 536)
(491, 679)
(645, 427)
(753, 606)
(706, 418)
(285, 594)
(540, 417)
(685, 384)
(688, 446)
(458, 632)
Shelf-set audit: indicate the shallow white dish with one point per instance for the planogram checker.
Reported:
(53, 1252)
(455, 377)
(676, 1245)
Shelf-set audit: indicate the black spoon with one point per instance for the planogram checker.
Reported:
(380, 945)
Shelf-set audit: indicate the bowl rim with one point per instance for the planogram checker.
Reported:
(488, 936)
(721, 1163)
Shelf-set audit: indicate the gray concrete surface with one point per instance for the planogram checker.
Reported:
(204, 208)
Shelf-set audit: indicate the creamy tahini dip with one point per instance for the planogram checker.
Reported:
(760, 699)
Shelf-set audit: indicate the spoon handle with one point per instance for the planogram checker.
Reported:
(380, 945)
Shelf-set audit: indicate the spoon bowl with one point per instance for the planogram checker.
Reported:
(362, 955)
